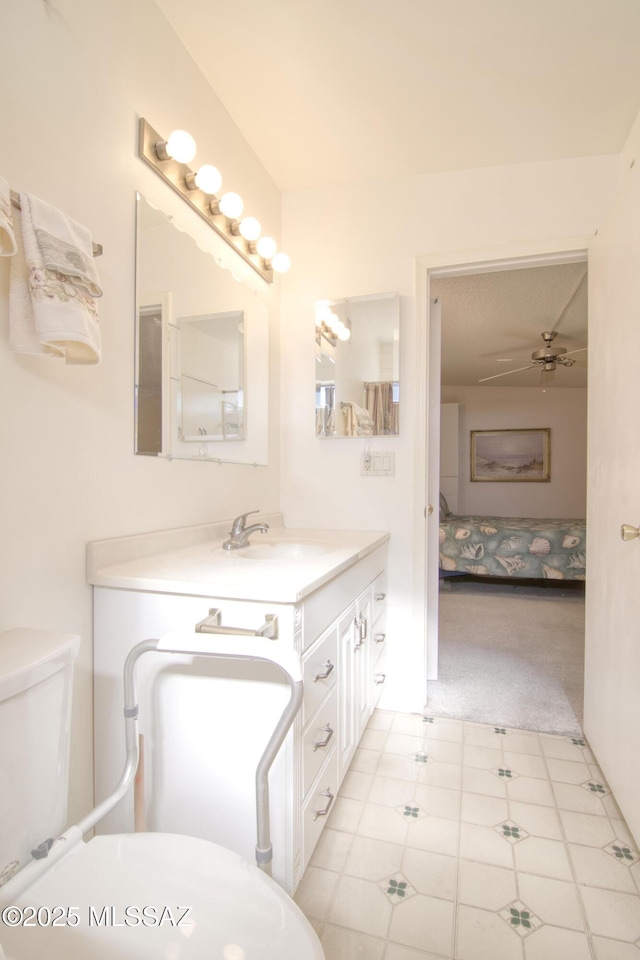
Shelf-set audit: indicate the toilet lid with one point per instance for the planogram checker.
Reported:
(155, 896)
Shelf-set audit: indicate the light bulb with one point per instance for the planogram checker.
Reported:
(181, 146)
(231, 205)
(281, 263)
(208, 178)
(250, 228)
(344, 333)
(266, 247)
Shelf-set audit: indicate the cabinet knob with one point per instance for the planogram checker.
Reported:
(380, 637)
(328, 667)
(627, 532)
(323, 813)
(323, 743)
(380, 597)
(380, 678)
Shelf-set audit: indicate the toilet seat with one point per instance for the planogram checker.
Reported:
(237, 912)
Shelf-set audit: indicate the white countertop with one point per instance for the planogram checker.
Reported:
(190, 560)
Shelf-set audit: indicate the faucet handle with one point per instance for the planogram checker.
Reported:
(239, 522)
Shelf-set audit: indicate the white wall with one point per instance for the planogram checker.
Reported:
(76, 75)
(356, 240)
(563, 410)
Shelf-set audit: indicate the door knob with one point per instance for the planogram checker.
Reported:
(627, 532)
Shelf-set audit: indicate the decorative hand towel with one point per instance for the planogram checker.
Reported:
(22, 326)
(65, 246)
(7, 233)
(64, 312)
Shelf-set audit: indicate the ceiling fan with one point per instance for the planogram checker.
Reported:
(546, 359)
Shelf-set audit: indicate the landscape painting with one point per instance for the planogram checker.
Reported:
(513, 455)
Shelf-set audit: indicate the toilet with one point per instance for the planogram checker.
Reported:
(139, 896)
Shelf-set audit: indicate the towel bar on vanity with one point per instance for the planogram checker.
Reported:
(15, 201)
(213, 624)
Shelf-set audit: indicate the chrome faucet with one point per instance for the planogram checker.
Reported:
(239, 535)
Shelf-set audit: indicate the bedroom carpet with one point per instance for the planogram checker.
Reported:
(510, 656)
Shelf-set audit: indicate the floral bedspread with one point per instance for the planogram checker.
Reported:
(514, 547)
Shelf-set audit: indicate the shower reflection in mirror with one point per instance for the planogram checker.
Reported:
(357, 366)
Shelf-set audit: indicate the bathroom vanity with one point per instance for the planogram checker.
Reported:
(205, 724)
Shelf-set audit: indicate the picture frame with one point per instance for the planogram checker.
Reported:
(511, 456)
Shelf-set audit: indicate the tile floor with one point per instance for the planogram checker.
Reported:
(458, 840)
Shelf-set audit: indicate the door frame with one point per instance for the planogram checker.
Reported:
(482, 260)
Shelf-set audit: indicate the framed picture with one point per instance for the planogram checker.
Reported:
(511, 455)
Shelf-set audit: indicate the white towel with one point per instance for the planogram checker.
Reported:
(65, 246)
(61, 314)
(7, 232)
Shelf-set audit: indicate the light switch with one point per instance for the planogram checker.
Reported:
(377, 464)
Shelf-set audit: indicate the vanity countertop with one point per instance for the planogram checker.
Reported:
(283, 566)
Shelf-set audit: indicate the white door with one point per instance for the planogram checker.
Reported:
(612, 664)
(433, 486)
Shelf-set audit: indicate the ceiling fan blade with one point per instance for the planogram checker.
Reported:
(569, 352)
(509, 359)
(507, 372)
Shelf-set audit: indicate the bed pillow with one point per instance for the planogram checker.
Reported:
(444, 507)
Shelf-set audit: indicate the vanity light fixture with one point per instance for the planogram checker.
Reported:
(329, 325)
(169, 158)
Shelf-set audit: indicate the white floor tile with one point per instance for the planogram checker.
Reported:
(475, 780)
(438, 801)
(345, 814)
(487, 811)
(424, 923)
(596, 868)
(553, 901)
(372, 859)
(567, 771)
(431, 873)
(571, 797)
(373, 739)
(382, 823)
(356, 785)
(441, 774)
(480, 885)
(403, 744)
(435, 834)
(544, 858)
(445, 730)
(443, 751)
(409, 723)
(586, 828)
(530, 790)
(396, 952)
(339, 943)
(537, 820)
(332, 849)
(382, 719)
(389, 791)
(526, 765)
(485, 936)
(480, 736)
(613, 915)
(485, 758)
(315, 892)
(365, 761)
(485, 845)
(402, 768)
(561, 748)
(360, 905)
(614, 949)
(547, 943)
(521, 742)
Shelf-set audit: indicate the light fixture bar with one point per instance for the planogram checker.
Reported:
(175, 174)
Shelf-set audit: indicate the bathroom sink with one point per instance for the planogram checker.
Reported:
(284, 550)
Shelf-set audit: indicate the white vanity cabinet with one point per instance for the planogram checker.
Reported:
(205, 723)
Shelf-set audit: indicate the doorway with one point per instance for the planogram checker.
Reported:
(426, 438)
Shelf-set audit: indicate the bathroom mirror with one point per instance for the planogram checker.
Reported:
(357, 366)
(201, 351)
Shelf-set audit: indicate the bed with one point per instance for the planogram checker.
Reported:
(512, 547)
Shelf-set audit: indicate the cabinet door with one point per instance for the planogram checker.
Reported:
(347, 737)
(362, 659)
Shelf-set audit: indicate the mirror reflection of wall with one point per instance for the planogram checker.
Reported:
(357, 366)
(202, 345)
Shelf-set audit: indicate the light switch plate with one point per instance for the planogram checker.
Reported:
(377, 463)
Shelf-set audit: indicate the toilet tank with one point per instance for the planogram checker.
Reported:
(36, 673)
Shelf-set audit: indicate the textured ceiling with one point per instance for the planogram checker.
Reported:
(341, 91)
(489, 316)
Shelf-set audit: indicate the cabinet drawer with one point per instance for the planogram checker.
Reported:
(319, 672)
(379, 638)
(318, 805)
(318, 741)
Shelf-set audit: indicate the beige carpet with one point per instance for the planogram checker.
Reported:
(510, 656)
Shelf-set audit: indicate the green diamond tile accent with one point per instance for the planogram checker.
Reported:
(511, 831)
(500, 730)
(622, 852)
(578, 742)
(594, 786)
(504, 773)
(428, 720)
(420, 757)
(397, 888)
(520, 918)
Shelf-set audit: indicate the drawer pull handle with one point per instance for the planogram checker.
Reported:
(380, 637)
(328, 667)
(323, 743)
(380, 677)
(380, 597)
(323, 813)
